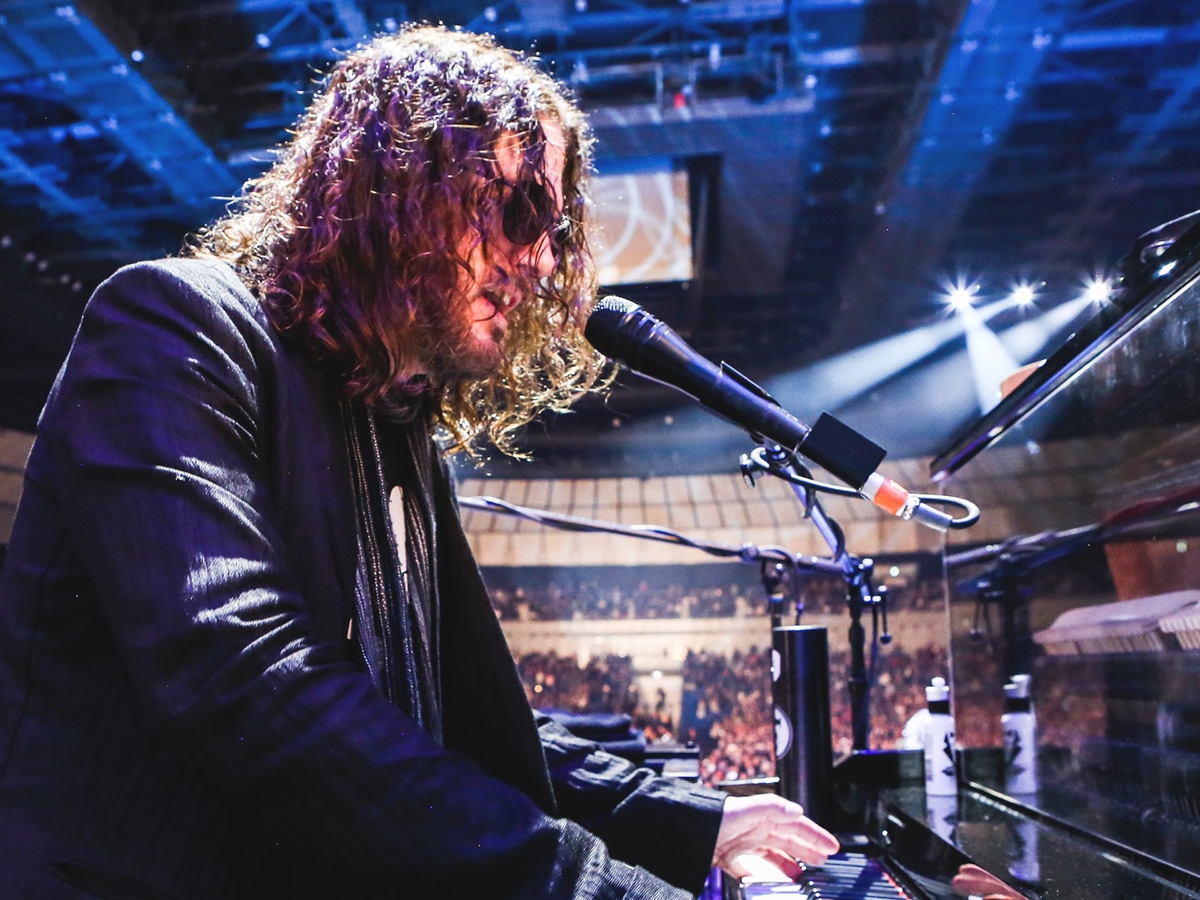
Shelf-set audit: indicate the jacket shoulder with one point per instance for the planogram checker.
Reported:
(210, 282)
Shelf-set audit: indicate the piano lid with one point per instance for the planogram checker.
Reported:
(1155, 272)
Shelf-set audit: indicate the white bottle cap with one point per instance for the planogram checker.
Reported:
(937, 690)
(1018, 688)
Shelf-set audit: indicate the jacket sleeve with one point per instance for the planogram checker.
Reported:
(667, 825)
(159, 427)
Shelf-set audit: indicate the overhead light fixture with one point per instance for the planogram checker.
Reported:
(1098, 289)
(959, 296)
(1023, 295)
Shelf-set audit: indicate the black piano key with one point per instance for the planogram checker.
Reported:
(855, 888)
(851, 877)
(856, 892)
(773, 889)
(845, 876)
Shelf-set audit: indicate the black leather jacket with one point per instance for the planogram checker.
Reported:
(182, 713)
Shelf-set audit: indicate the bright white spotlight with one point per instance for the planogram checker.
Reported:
(1098, 289)
(1023, 295)
(959, 295)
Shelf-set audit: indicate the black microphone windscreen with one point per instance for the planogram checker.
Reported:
(605, 319)
(614, 328)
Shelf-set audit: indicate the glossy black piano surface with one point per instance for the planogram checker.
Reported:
(912, 847)
(1088, 476)
(1085, 573)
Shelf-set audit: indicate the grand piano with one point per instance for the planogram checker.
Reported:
(1091, 467)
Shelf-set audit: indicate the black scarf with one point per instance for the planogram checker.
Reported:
(396, 631)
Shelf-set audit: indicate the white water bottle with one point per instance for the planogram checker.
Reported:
(1019, 727)
(939, 741)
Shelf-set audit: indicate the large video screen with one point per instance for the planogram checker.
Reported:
(643, 232)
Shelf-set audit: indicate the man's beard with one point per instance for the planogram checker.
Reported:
(474, 359)
(459, 354)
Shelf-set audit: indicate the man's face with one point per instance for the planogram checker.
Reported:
(486, 297)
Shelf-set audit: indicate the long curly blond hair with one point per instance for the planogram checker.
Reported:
(351, 239)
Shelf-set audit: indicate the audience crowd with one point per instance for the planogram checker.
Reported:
(677, 592)
(726, 708)
(601, 685)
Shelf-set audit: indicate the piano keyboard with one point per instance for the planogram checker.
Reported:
(845, 876)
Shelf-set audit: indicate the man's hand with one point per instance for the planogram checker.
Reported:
(774, 829)
(973, 881)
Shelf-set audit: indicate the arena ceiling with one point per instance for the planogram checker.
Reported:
(847, 159)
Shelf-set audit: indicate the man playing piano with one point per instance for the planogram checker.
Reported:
(244, 648)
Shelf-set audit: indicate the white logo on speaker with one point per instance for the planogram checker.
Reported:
(783, 734)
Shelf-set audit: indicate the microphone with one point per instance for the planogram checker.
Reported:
(626, 333)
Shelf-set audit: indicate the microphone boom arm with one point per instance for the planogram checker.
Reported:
(623, 331)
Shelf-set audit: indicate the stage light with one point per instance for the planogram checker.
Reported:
(1098, 289)
(959, 295)
(1023, 295)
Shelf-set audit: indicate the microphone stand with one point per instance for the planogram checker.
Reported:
(777, 564)
(776, 581)
(855, 571)
(800, 661)
(747, 553)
